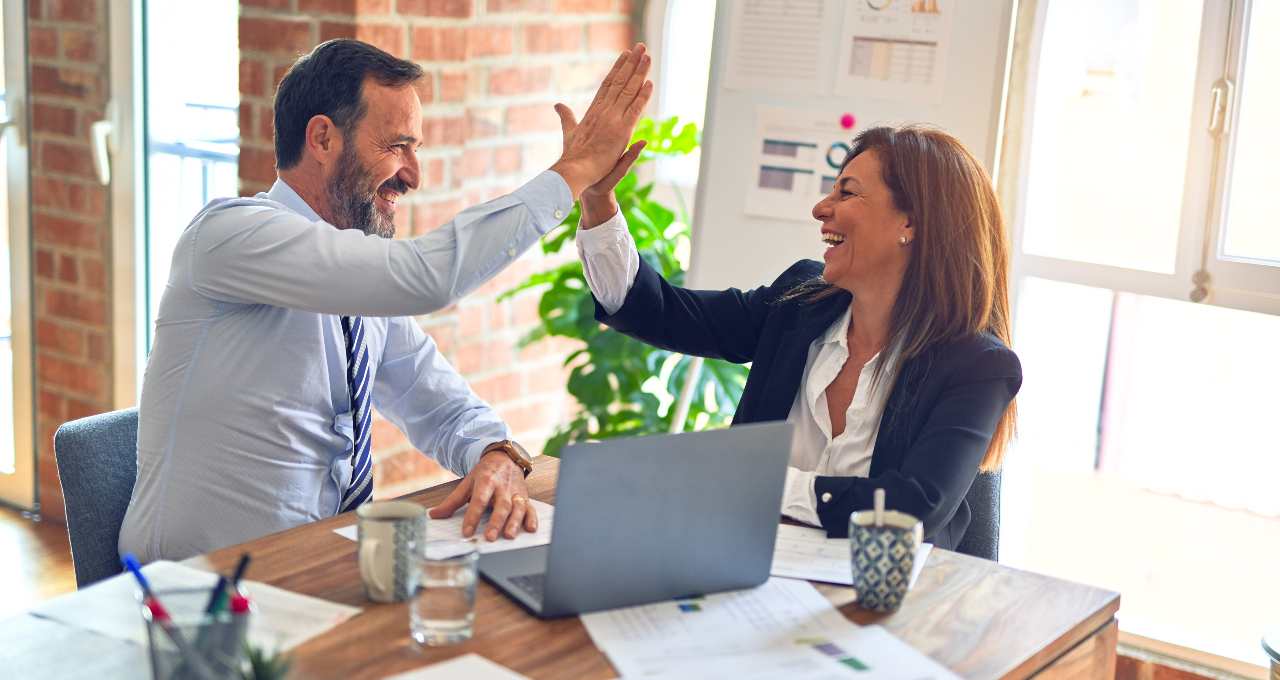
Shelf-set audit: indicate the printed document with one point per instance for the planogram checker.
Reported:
(452, 528)
(807, 553)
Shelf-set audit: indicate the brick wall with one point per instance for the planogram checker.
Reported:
(494, 70)
(70, 224)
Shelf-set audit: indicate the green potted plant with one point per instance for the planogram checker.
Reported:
(623, 386)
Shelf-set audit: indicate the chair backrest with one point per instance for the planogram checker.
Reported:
(97, 465)
(982, 538)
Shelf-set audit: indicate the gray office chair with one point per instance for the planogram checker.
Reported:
(982, 538)
(97, 465)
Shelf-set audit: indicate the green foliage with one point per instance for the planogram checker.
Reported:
(623, 386)
(263, 665)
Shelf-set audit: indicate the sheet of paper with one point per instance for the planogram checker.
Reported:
(32, 647)
(784, 628)
(281, 619)
(774, 45)
(469, 666)
(452, 528)
(797, 158)
(895, 49)
(807, 553)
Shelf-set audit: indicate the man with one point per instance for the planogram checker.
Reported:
(286, 316)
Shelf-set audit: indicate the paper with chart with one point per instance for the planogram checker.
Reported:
(807, 553)
(784, 628)
(469, 666)
(798, 154)
(452, 528)
(281, 619)
(895, 49)
(774, 46)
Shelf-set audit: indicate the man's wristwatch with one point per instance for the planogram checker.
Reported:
(515, 452)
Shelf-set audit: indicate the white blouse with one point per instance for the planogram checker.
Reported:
(610, 262)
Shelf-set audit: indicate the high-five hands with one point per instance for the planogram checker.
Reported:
(596, 146)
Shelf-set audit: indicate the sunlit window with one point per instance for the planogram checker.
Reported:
(685, 62)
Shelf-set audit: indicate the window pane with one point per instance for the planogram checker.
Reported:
(1251, 230)
(686, 66)
(6, 325)
(1109, 138)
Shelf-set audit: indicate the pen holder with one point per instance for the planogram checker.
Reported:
(193, 644)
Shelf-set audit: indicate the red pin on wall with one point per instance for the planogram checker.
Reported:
(847, 121)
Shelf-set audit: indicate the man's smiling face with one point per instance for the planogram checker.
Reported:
(379, 161)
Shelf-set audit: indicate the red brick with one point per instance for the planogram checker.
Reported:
(453, 86)
(489, 41)
(68, 272)
(429, 216)
(44, 263)
(473, 163)
(257, 165)
(532, 118)
(66, 304)
(266, 4)
(459, 9)
(611, 36)
(499, 6)
(474, 356)
(471, 320)
(52, 406)
(35, 9)
(367, 7)
(266, 128)
(68, 159)
(52, 118)
(93, 273)
(551, 378)
(530, 418)
(248, 133)
(584, 6)
(64, 82)
(331, 30)
(430, 43)
(59, 338)
(77, 409)
(307, 7)
(499, 388)
(61, 231)
(546, 38)
(406, 468)
(484, 122)
(42, 42)
(97, 347)
(79, 45)
(451, 131)
(83, 11)
(276, 36)
(389, 38)
(87, 380)
(524, 310)
(581, 77)
(253, 78)
(278, 75)
(433, 173)
(517, 80)
(506, 160)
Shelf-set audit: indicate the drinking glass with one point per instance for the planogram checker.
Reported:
(443, 609)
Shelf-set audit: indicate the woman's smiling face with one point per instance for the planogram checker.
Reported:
(861, 225)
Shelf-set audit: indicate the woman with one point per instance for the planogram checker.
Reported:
(890, 357)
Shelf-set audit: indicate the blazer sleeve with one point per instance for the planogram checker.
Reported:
(716, 324)
(942, 461)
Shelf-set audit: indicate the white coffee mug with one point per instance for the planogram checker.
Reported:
(388, 533)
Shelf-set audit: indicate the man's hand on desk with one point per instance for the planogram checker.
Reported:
(497, 482)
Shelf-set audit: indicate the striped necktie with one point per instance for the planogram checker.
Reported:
(361, 487)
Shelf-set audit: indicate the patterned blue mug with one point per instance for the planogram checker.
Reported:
(388, 534)
(882, 557)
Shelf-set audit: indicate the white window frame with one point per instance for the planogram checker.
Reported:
(19, 489)
(1238, 284)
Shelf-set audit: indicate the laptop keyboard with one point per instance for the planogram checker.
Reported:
(531, 584)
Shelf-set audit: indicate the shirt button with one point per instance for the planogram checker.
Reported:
(511, 252)
(559, 214)
(826, 497)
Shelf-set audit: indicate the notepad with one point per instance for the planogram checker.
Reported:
(281, 620)
(807, 553)
(451, 527)
(469, 666)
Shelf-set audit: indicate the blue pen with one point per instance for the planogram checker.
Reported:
(161, 616)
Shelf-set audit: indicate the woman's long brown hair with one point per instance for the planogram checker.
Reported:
(957, 281)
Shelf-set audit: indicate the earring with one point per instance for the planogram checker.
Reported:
(902, 241)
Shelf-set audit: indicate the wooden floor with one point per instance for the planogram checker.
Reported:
(35, 561)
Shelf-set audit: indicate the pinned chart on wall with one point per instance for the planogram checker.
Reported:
(775, 45)
(798, 157)
(895, 49)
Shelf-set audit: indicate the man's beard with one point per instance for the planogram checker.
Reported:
(352, 201)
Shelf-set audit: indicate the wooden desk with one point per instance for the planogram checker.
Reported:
(979, 618)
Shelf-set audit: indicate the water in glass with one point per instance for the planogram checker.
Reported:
(443, 610)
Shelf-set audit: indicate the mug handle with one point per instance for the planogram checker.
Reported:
(367, 553)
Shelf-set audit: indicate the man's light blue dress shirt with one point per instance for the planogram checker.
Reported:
(245, 419)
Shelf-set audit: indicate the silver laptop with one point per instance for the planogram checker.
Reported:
(651, 518)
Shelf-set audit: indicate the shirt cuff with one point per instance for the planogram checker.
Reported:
(604, 236)
(548, 198)
(798, 499)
